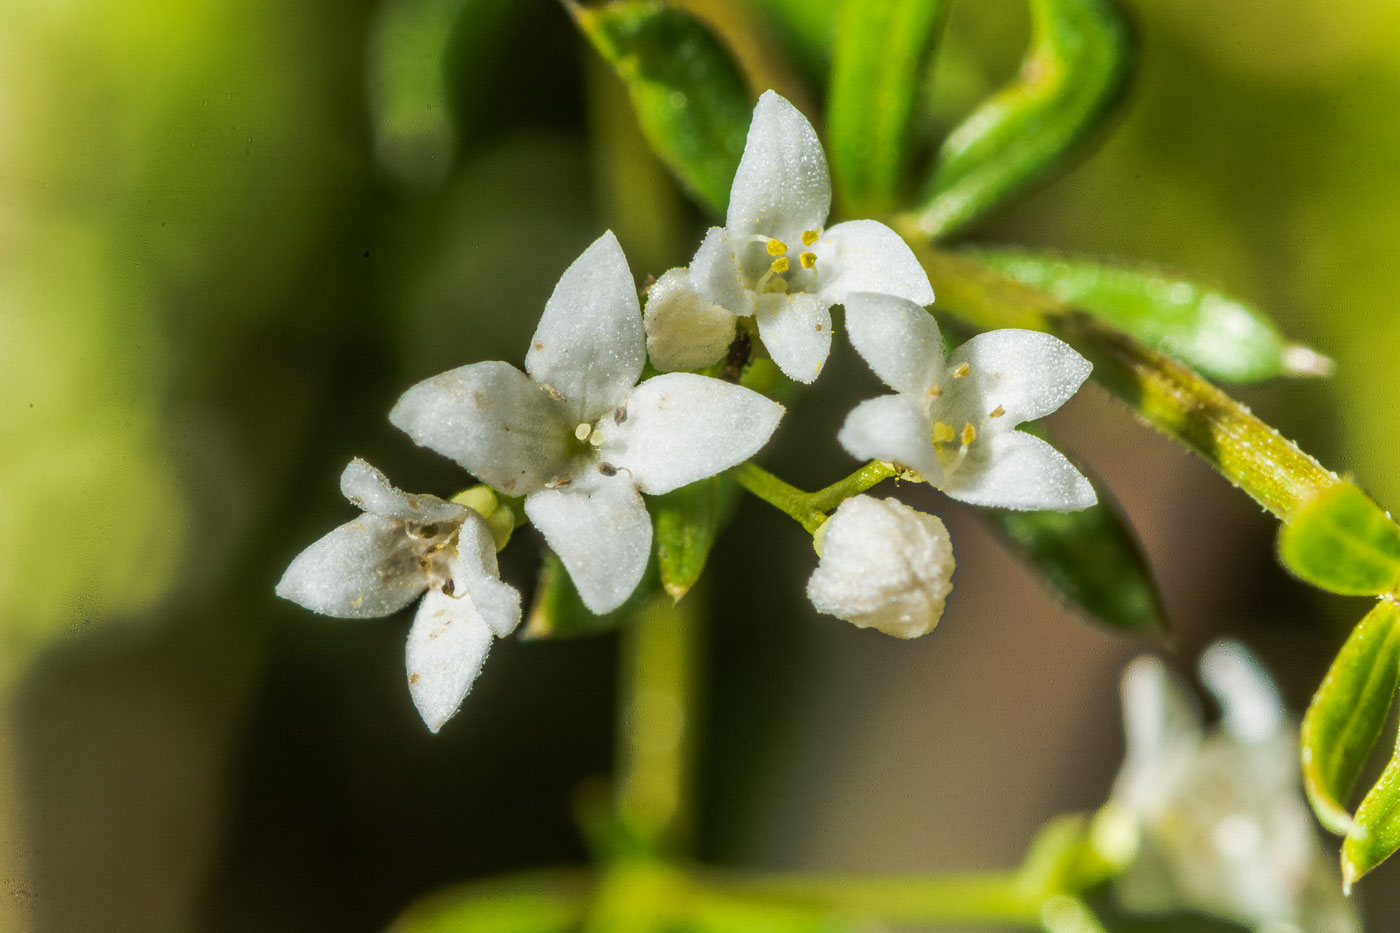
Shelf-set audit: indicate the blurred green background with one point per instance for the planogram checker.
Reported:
(232, 232)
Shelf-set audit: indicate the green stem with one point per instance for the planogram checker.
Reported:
(1169, 396)
(872, 474)
(781, 495)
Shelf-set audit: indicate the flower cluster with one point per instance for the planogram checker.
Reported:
(575, 441)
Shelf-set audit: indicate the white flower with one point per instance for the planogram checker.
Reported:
(1218, 821)
(883, 566)
(954, 421)
(774, 261)
(379, 563)
(578, 437)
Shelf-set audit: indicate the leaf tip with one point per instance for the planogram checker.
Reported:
(1299, 360)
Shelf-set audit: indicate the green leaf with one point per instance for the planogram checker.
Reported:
(1072, 78)
(1342, 542)
(1375, 833)
(1217, 335)
(687, 522)
(881, 54)
(691, 100)
(538, 902)
(557, 611)
(1348, 712)
(1091, 559)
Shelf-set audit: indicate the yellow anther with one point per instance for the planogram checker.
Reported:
(942, 433)
(780, 264)
(596, 439)
(808, 260)
(997, 412)
(776, 247)
(809, 237)
(962, 370)
(935, 391)
(969, 433)
(582, 431)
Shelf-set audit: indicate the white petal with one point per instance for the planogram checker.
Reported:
(796, 329)
(716, 274)
(883, 566)
(682, 427)
(1026, 372)
(782, 186)
(867, 256)
(1014, 470)
(446, 648)
(891, 428)
(1162, 731)
(362, 570)
(493, 420)
(899, 340)
(1251, 708)
(600, 529)
(367, 487)
(589, 345)
(684, 329)
(475, 573)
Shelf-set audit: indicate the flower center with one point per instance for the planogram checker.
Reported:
(780, 276)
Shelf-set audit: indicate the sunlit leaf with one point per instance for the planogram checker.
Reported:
(1375, 832)
(539, 902)
(1073, 77)
(1348, 712)
(1212, 332)
(1341, 541)
(880, 57)
(689, 95)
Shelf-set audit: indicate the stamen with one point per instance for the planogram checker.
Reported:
(776, 247)
(582, 431)
(807, 260)
(596, 438)
(942, 433)
(809, 237)
(997, 412)
(780, 264)
(969, 434)
(962, 370)
(935, 391)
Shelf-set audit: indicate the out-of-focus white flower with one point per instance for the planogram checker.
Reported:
(883, 566)
(955, 421)
(1217, 822)
(400, 547)
(577, 436)
(774, 261)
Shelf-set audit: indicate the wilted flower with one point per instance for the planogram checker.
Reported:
(577, 436)
(954, 421)
(883, 566)
(380, 562)
(775, 262)
(1217, 823)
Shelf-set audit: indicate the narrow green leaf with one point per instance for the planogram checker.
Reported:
(1223, 338)
(1342, 542)
(1091, 559)
(538, 902)
(1375, 832)
(691, 100)
(1072, 78)
(687, 522)
(557, 611)
(880, 57)
(1348, 712)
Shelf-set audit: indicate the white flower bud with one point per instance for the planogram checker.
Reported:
(883, 566)
(684, 330)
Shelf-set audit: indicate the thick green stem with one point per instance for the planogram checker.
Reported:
(1168, 395)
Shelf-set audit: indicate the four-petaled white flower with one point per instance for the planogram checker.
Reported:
(400, 547)
(774, 261)
(954, 421)
(1217, 823)
(883, 566)
(578, 437)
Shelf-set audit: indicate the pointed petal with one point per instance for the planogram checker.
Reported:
(367, 487)
(446, 648)
(681, 427)
(1026, 372)
(782, 186)
(1014, 470)
(891, 428)
(796, 329)
(867, 256)
(364, 569)
(1251, 708)
(1162, 731)
(589, 345)
(898, 339)
(600, 529)
(716, 274)
(493, 420)
(474, 572)
(684, 329)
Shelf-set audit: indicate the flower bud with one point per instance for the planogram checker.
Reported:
(684, 331)
(883, 566)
